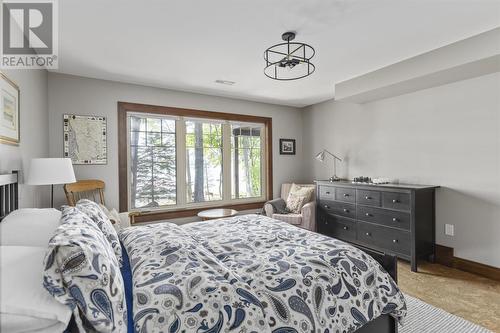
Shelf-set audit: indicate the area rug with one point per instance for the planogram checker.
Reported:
(425, 318)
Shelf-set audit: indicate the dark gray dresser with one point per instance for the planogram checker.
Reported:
(392, 218)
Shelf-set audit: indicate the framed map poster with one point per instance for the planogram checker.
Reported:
(85, 139)
(9, 111)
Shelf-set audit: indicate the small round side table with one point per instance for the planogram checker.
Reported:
(212, 214)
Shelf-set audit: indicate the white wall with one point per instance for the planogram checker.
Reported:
(447, 136)
(77, 95)
(34, 134)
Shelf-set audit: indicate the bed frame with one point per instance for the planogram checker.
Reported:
(384, 323)
(9, 193)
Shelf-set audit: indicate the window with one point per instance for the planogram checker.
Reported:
(152, 161)
(178, 160)
(246, 154)
(203, 161)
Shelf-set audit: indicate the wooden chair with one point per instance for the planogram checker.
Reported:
(92, 189)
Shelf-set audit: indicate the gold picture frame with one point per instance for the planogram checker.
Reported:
(9, 111)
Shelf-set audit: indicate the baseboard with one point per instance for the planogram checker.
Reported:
(444, 256)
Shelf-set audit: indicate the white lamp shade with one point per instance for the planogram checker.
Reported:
(50, 171)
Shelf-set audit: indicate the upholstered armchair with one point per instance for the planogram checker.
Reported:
(307, 217)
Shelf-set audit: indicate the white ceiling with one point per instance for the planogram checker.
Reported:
(188, 44)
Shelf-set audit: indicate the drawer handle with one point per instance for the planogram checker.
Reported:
(346, 210)
(345, 228)
(395, 219)
(326, 206)
(346, 195)
(368, 234)
(327, 192)
(395, 200)
(368, 214)
(368, 198)
(394, 240)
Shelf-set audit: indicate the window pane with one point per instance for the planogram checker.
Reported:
(153, 124)
(246, 156)
(152, 162)
(138, 137)
(168, 126)
(203, 161)
(168, 139)
(137, 124)
(154, 138)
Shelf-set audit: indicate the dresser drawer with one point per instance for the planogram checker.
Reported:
(338, 227)
(327, 192)
(339, 208)
(394, 200)
(345, 194)
(384, 216)
(366, 197)
(389, 239)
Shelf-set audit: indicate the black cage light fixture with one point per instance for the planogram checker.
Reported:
(289, 60)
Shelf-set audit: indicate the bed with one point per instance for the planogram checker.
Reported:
(247, 273)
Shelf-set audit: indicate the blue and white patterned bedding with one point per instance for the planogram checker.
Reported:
(252, 274)
(82, 271)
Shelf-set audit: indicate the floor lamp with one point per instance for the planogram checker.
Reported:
(50, 171)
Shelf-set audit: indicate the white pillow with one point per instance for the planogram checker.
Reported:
(29, 227)
(22, 324)
(24, 302)
(298, 196)
(114, 217)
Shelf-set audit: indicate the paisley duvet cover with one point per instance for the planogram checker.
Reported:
(252, 274)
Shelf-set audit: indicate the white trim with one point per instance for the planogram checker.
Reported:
(180, 156)
(226, 161)
(204, 120)
(263, 164)
(151, 115)
(129, 196)
(246, 124)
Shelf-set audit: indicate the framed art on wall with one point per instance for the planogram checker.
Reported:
(287, 146)
(85, 139)
(9, 111)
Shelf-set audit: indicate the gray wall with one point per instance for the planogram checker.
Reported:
(78, 95)
(447, 136)
(34, 134)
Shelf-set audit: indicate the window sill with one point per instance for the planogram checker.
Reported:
(151, 216)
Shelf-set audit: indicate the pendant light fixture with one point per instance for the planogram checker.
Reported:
(289, 60)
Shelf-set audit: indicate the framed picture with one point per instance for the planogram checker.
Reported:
(85, 139)
(287, 146)
(9, 111)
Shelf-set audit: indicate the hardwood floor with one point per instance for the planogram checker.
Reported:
(466, 295)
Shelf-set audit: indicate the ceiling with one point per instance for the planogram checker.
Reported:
(188, 44)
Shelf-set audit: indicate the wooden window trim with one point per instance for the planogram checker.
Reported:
(124, 107)
(179, 213)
